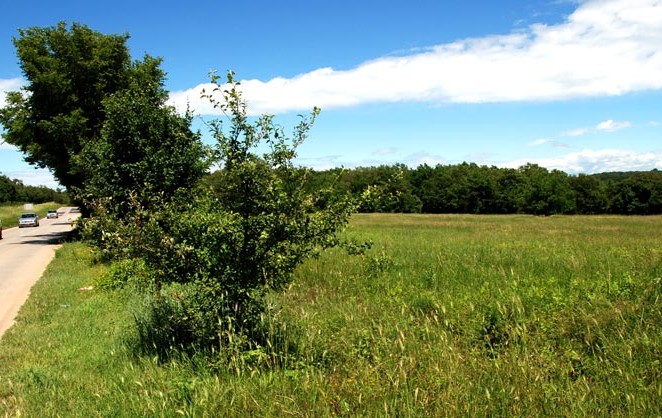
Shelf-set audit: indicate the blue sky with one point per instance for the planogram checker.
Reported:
(569, 85)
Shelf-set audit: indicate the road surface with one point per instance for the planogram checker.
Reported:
(24, 255)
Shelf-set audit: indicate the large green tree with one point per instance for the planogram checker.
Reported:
(70, 71)
(639, 194)
(146, 152)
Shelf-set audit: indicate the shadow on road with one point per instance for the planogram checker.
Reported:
(53, 238)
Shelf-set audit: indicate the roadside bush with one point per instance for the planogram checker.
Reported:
(232, 244)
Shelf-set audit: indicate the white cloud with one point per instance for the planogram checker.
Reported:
(597, 161)
(604, 48)
(586, 161)
(611, 126)
(320, 163)
(605, 126)
(420, 158)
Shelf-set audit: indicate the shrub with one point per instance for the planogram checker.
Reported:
(232, 244)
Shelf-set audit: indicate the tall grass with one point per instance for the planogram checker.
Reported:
(445, 316)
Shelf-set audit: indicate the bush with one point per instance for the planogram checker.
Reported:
(231, 245)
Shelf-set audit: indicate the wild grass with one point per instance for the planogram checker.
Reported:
(9, 213)
(448, 315)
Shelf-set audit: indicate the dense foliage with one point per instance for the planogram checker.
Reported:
(214, 259)
(14, 191)
(61, 112)
(470, 188)
(146, 153)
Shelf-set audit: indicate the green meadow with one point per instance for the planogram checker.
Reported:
(446, 315)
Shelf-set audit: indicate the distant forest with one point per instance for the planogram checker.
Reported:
(460, 188)
(14, 191)
(471, 188)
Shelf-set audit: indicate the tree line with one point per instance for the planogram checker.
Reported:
(14, 191)
(480, 189)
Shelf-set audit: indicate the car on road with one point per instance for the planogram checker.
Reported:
(51, 214)
(28, 219)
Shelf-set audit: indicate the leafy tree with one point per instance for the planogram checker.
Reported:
(145, 149)
(70, 72)
(508, 184)
(590, 194)
(8, 191)
(267, 223)
(545, 193)
(473, 188)
(638, 194)
(13, 190)
(393, 194)
(434, 188)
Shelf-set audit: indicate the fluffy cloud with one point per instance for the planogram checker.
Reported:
(611, 126)
(605, 126)
(385, 151)
(598, 161)
(604, 48)
(586, 161)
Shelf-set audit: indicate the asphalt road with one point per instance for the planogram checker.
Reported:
(24, 255)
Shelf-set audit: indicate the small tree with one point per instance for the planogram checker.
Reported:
(241, 239)
(272, 223)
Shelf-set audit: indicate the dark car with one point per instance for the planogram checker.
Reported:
(28, 219)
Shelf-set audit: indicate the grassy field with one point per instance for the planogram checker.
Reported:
(445, 316)
(9, 213)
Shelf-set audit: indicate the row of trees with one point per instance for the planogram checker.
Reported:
(13, 191)
(470, 188)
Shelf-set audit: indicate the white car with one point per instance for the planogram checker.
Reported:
(28, 219)
(51, 214)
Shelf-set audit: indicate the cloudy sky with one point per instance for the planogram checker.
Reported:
(569, 85)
